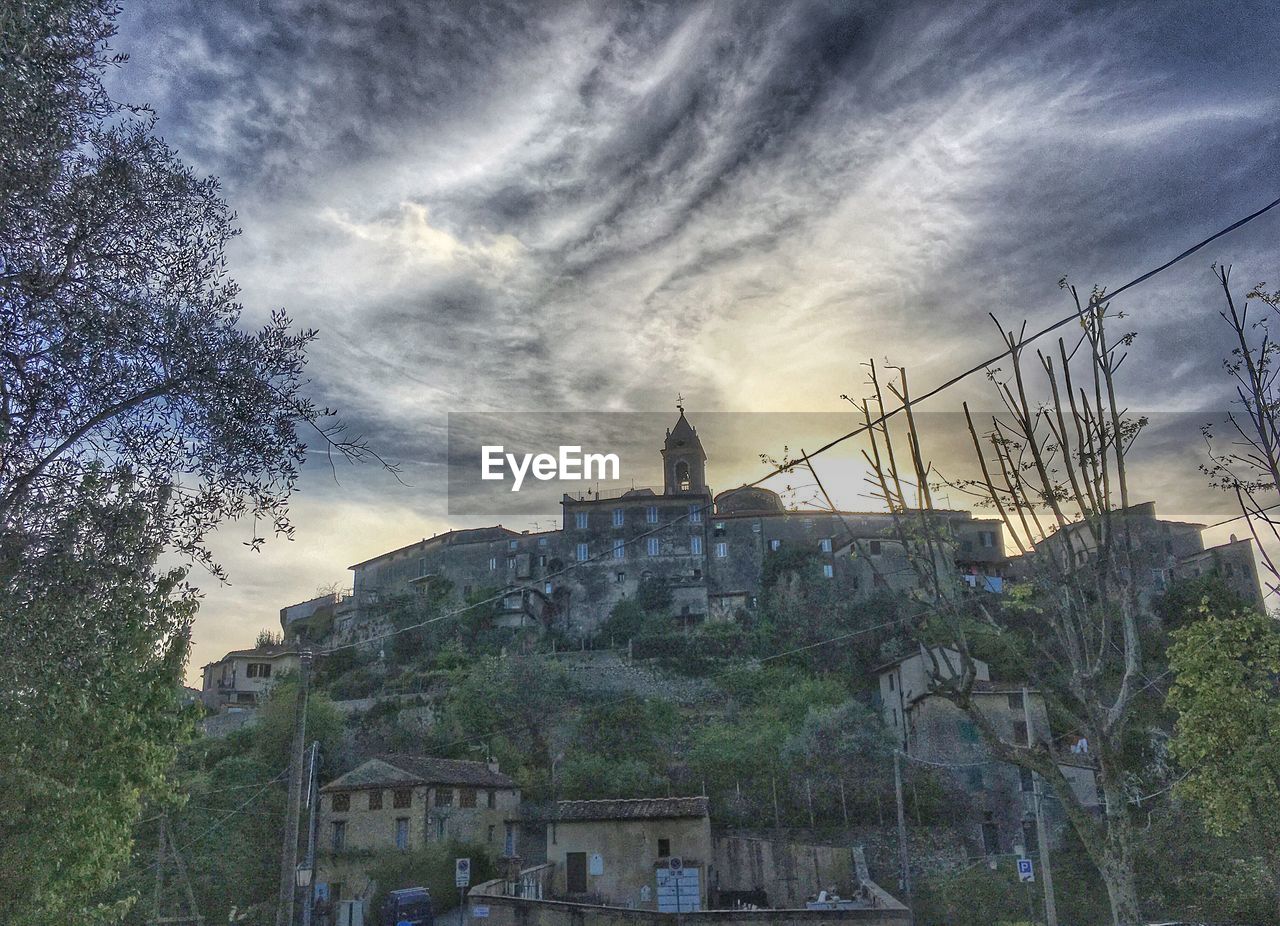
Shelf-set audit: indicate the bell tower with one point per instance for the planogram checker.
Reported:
(684, 462)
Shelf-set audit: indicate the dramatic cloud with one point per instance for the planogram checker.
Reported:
(592, 206)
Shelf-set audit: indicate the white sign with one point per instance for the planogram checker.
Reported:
(1026, 872)
(679, 891)
(595, 864)
(479, 912)
(462, 872)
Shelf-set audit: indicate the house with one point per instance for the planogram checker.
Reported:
(931, 730)
(399, 803)
(620, 852)
(242, 678)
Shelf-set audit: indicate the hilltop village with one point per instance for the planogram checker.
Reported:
(680, 691)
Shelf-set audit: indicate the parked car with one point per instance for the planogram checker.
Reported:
(410, 906)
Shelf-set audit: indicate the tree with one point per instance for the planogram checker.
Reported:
(135, 416)
(93, 645)
(1053, 469)
(1228, 706)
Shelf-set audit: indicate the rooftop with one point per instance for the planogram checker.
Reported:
(394, 770)
(644, 808)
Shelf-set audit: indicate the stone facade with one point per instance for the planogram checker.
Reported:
(610, 850)
(710, 552)
(401, 803)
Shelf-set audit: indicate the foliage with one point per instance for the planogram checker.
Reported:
(266, 638)
(92, 645)
(273, 733)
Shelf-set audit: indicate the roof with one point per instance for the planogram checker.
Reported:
(645, 808)
(264, 652)
(457, 535)
(416, 770)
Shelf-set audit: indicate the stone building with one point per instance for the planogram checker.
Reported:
(243, 677)
(709, 551)
(400, 803)
(618, 852)
(935, 733)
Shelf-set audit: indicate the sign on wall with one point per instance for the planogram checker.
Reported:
(679, 889)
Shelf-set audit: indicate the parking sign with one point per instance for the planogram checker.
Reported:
(462, 871)
(1025, 870)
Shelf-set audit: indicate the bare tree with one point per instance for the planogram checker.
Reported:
(1246, 460)
(1053, 470)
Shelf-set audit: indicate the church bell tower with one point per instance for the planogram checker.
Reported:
(684, 462)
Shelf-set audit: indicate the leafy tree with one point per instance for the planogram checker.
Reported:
(135, 415)
(273, 733)
(1225, 694)
(431, 867)
(92, 645)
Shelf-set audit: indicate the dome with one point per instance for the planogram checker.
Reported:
(749, 499)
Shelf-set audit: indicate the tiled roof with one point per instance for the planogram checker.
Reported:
(645, 808)
(401, 770)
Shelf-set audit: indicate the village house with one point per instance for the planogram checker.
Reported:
(400, 803)
(243, 677)
(619, 852)
(931, 730)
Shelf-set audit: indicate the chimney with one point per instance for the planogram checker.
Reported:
(493, 764)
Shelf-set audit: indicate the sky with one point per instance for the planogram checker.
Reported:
(596, 206)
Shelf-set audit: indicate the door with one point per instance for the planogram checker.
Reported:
(575, 864)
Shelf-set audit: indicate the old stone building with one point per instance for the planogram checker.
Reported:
(709, 551)
(400, 803)
(618, 852)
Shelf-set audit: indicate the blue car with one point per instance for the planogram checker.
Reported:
(410, 906)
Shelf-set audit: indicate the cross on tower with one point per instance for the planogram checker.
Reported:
(680, 402)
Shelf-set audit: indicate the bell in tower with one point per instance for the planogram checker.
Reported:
(684, 462)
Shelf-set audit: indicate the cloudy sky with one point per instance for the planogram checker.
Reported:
(593, 206)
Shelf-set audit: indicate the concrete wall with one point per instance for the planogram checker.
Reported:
(630, 851)
(790, 873)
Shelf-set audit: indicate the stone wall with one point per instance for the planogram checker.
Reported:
(788, 872)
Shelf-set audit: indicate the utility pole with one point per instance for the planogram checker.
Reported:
(297, 760)
(1042, 835)
(903, 862)
(313, 804)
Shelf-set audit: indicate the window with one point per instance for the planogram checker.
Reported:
(493, 799)
(719, 528)
(466, 590)
(1015, 701)
(651, 514)
(341, 803)
(509, 841)
(828, 571)
(493, 563)
(542, 560)
(722, 550)
(895, 716)
(339, 835)
(402, 797)
(987, 538)
(653, 546)
(1020, 733)
(695, 514)
(580, 520)
(492, 830)
(258, 670)
(775, 545)
(619, 517)
(466, 797)
(547, 589)
(620, 577)
(582, 553)
(619, 549)
(422, 566)
(444, 797)
(511, 562)
(825, 544)
(695, 545)
(990, 838)
(664, 848)
(891, 683)
(874, 547)
(375, 799)
(513, 544)
(441, 828)
(1026, 781)
(968, 731)
(542, 541)
(402, 832)
(1030, 837)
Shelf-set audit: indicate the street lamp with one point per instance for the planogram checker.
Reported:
(302, 875)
